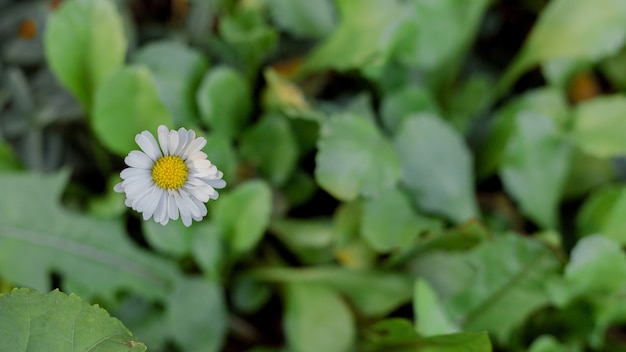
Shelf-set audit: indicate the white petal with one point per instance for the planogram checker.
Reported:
(148, 144)
(183, 139)
(163, 133)
(194, 146)
(172, 210)
(160, 213)
(134, 172)
(185, 214)
(119, 188)
(217, 183)
(173, 142)
(139, 160)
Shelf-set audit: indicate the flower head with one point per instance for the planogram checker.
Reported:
(170, 177)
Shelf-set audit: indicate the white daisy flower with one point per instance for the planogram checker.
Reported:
(170, 178)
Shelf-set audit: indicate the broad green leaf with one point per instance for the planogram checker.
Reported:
(362, 36)
(56, 322)
(437, 167)
(499, 297)
(547, 343)
(197, 316)
(125, 105)
(249, 295)
(221, 152)
(535, 167)
(397, 335)
(459, 342)
(354, 159)
(243, 215)
(271, 146)
(94, 253)
(494, 286)
(172, 239)
(8, 161)
(310, 240)
(85, 43)
(210, 250)
(603, 213)
(224, 100)
(592, 255)
(587, 173)
(390, 222)
(316, 319)
(373, 293)
(303, 18)
(177, 71)
(248, 37)
(401, 104)
(600, 126)
(572, 29)
(545, 101)
(614, 71)
(431, 317)
(437, 33)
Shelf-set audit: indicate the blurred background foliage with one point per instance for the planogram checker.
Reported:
(403, 175)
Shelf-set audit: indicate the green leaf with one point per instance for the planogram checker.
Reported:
(248, 38)
(587, 173)
(243, 215)
(592, 255)
(197, 316)
(401, 104)
(177, 71)
(127, 104)
(56, 322)
(361, 37)
(431, 317)
(8, 160)
(271, 146)
(389, 222)
(460, 342)
(210, 250)
(310, 240)
(224, 100)
(373, 293)
(547, 343)
(355, 159)
(221, 152)
(438, 32)
(85, 43)
(599, 126)
(303, 18)
(603, 213)
(316, 319)
(494, 286)
(397, 335)
(499, 297)
(96, 254)
(572, 29)
(545, 101)
(535, 167)
(437, 167)
(173, 239)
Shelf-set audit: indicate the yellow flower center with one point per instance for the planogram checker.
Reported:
(169, 172)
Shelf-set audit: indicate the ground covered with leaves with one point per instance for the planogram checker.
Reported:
(402, 175)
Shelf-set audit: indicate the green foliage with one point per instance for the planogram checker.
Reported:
(96, 254)
(55, 322)
(437, 167)
(355, 159)
(127, 98)
(85, 43)
(401, 176)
